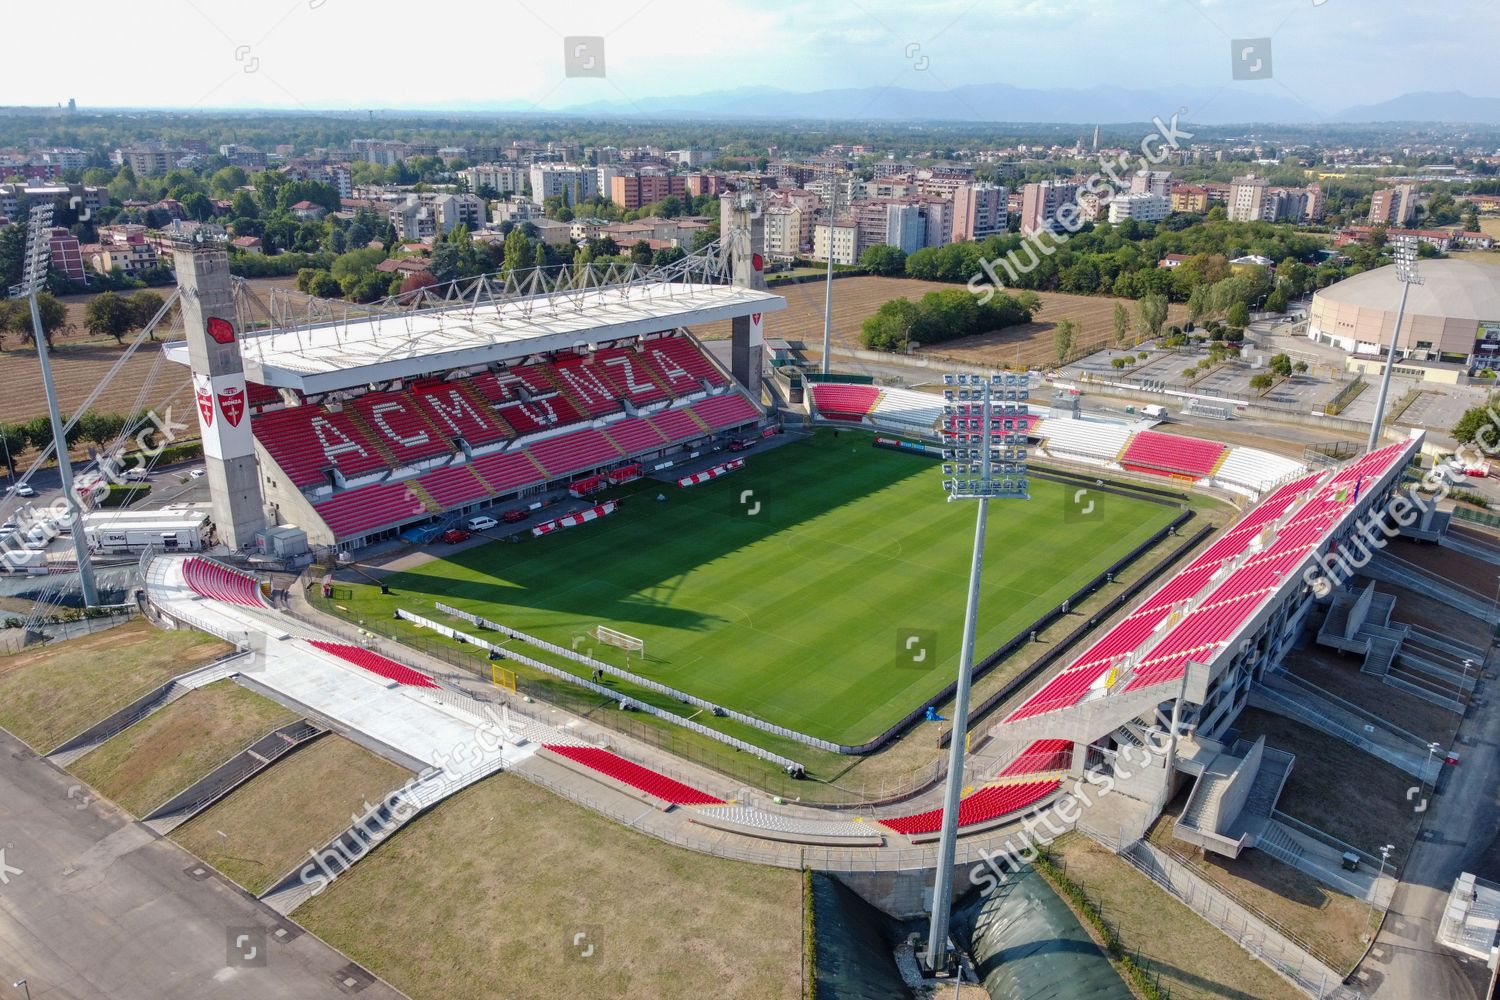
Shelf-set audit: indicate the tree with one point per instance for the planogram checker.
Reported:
(144, 305)
(13, 441)
(1300, 367)
(891, 327)
(413, 283)
(1152, 312)
(1062, 339)
(99, 429)
(1471, 426)
(1262, 381)
(883, 259)
(109, 314)
(1121, 320)
(640, 253)
(1281, 364)
(1276, 302)
(54, 316)
(1238, 315)
(517, 251)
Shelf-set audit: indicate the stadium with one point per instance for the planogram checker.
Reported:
(734, 584)
(1452, 316)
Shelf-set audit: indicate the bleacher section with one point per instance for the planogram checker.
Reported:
(628, 772)
(838, 401)
(907, 409)
(1082, 440)
(222, 583)
(385, 457)
(374, 663)
(1255, 470)
(1172, 455)
(1199, 610)
(1041, 757)
(986, 805)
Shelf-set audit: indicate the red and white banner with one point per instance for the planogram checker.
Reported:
(221, 415)
(713, 473)
(573, 520)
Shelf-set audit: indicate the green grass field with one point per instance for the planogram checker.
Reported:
(789, 589)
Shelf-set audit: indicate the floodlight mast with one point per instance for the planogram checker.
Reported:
(1406, 273)
(984, 435)
(38, 253)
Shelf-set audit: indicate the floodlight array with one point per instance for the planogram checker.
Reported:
(984, 436)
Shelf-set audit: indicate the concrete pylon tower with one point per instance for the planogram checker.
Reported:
(747, 244)
(208, 318)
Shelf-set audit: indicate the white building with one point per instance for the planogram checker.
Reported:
(503, 178)
(550, 180)
(1151, 182)
(1140, 207)
(905, 227)
(783, 231)
(845, 242)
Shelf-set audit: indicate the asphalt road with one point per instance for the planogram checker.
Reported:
(1406, 961)
(93, 906)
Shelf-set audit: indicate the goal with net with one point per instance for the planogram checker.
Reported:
(613, 637)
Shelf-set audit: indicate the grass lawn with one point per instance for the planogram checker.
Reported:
(788, 589)
(1331, 923)
(480, 900)
(53, 693)
(298, 804)
(157, 758)
(1195, 960)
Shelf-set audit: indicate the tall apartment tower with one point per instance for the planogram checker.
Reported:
(747, 243)
(208, 319)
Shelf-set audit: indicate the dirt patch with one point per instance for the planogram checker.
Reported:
(480, 899)
(856, 299)
(1368, 812)
(1195, 960)
(1328, 924)
(263, 828)
(80, 361)
(52, 693)
(155, 759)
(1340, 676)
(1478, 577)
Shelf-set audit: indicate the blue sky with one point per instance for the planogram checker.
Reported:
(377, 53)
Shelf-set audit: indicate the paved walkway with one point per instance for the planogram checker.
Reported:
(1458, 826)
(94, 906)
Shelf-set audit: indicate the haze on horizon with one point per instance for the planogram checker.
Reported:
(338, 54)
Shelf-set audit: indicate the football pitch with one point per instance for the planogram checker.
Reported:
(821, 587)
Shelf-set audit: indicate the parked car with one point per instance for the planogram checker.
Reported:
(455, 535)
(482, 522)
(197, 473)
(21, 490)
(137, 475)
(513, 515)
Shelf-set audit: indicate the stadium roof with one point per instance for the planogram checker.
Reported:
(1452, 288)
(336, 354)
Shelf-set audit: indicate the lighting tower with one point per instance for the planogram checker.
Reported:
(984, 456)
(33, 276)
(1406, 273)
(833, 211)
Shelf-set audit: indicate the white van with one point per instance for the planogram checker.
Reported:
(481, 523)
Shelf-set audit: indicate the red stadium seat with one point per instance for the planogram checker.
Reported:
(375, 663)
(630, 773)
(222, 583)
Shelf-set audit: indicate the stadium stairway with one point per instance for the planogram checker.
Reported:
(425, 497)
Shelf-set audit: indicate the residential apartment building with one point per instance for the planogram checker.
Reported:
(1248, 199)
(67, 255)
(453, 210)
(979, 211)
(943, 181)
(784, 231)
(502, 178)
(576, 184)
(1190, 198)
(64, 197)
(1393, 206)
(645, 187)
(413, 220)
(1141, 207)
(845, 238)
(1041, 201)
(1151, 182)
(150, 160)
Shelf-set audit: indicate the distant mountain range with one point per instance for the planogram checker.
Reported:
(1241, 103)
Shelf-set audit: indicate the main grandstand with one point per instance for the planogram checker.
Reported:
(370, 423)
